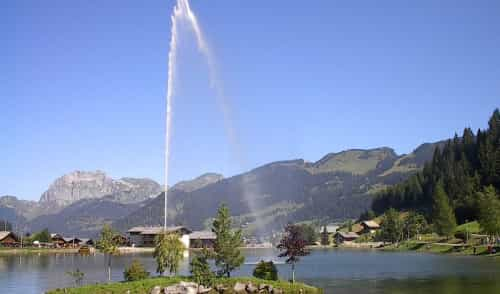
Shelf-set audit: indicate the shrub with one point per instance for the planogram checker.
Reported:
(200, 269)
(135, 272)
(266, 271)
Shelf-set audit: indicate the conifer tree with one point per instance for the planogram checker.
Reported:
(443, 216)
(228, 256)
(325, 241)
(489, 211)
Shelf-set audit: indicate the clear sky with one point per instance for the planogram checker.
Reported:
(82, 83)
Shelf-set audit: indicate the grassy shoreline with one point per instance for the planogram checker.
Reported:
(34, 250)
(441, 248)
(145, 286)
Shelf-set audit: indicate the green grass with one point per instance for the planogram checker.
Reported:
(32, 250)
(145, 286)
(471, 227)
(481, 250)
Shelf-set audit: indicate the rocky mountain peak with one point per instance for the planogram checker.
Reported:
(80, 185)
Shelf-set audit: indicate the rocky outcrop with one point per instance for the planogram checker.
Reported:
(81, 185)
(194, 288)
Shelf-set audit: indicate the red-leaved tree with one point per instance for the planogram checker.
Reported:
(292, 246)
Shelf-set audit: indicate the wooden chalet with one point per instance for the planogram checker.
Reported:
(202, 239)
(8, 239)
(145, 236)
(341, 237)
(57, 240)
(369, 227)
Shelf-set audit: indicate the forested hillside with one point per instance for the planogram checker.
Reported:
(466, 167)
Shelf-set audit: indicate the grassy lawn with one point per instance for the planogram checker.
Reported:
(471, 227)
(145, 286)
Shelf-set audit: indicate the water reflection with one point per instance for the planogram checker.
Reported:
(337, 271)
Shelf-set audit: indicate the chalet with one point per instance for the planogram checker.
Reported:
(121, 240)
(341, 237)
(72, 242)
(369, 227)
(330, 229)
(145, 236)
(202, 239)
(87, 242)
(57, 240)
(8, 239)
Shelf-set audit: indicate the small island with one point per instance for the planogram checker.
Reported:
(174, 284)
(225, 253)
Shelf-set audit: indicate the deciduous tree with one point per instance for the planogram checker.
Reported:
(292, 246)
(107, 245)
(168, 252)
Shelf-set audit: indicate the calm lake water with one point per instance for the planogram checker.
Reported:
(336, 271)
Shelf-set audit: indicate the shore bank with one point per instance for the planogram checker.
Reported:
(34, 250)
(442, 248)
(146, 286)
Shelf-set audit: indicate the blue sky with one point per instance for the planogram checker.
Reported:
(83, 83)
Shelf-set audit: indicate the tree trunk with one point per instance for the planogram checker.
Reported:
(109, 268)
(293, 272)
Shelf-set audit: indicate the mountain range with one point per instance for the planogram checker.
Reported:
(338, 186)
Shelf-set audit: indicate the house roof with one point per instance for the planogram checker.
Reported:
(85, 240)
(5, 234)
(155, 230)
(330, 229)
(69, 240)
(370, 224)
(202, 235)
(348, 234)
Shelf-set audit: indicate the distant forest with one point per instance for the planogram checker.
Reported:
(465, 167)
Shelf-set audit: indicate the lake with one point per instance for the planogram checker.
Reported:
(335, 270)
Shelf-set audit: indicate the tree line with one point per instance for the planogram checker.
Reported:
(459, 184)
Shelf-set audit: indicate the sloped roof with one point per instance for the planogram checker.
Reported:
(85, 240)
(348, 234)
(5, 234)
(371, 224)
(155, 230)
(202, 235)
(69, 240)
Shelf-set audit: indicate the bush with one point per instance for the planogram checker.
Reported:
(200, 269)
(266, 271)
(135, 272)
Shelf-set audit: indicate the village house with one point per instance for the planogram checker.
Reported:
(341, 237)
(369, 227)
(145, 236)
(72, 242)
(58, 241)
(330, 229)
(202, 239)
(8, 239)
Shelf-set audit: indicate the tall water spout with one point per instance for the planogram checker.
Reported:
(182, 12)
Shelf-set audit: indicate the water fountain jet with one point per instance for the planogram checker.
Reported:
(182, 12)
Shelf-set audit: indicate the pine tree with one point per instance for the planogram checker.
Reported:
(443, 216)
(489, 211)
(200, 268)
(228, 256)
(325, 240)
